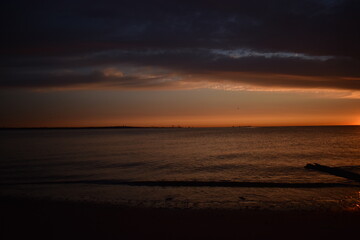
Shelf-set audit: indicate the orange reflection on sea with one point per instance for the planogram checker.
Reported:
(353, 203)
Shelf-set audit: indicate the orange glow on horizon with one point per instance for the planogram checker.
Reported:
(199, 121)
(187, 108)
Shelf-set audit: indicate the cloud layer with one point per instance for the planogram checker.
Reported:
(169, 44)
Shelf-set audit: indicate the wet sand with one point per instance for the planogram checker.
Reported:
(45, 219)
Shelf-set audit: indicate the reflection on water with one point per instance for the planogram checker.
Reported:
(230, 154)
(351, 203)
(195, 197)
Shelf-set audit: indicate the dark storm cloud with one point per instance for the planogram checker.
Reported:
(300, 37)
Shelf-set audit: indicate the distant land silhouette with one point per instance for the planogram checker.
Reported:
(172, 126)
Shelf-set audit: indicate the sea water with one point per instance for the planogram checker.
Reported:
(64, 164)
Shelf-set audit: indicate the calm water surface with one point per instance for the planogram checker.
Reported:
(276, 154)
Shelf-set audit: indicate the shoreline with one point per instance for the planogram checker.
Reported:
(50, 219)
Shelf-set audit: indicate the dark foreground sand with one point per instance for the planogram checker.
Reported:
(43, 219)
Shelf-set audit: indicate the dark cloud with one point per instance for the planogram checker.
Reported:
(290, 82)
(313, 38)
(78, 80)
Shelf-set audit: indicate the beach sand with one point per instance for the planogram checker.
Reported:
(46, 219)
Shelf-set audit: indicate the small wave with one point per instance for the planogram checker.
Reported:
(125, 165)
(198, 184)
(232, 155)
(218, 167)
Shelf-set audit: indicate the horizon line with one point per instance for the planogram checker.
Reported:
(173, 126)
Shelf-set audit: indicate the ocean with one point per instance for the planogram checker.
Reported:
(92, 165)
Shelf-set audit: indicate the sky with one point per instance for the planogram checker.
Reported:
(179, 63)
